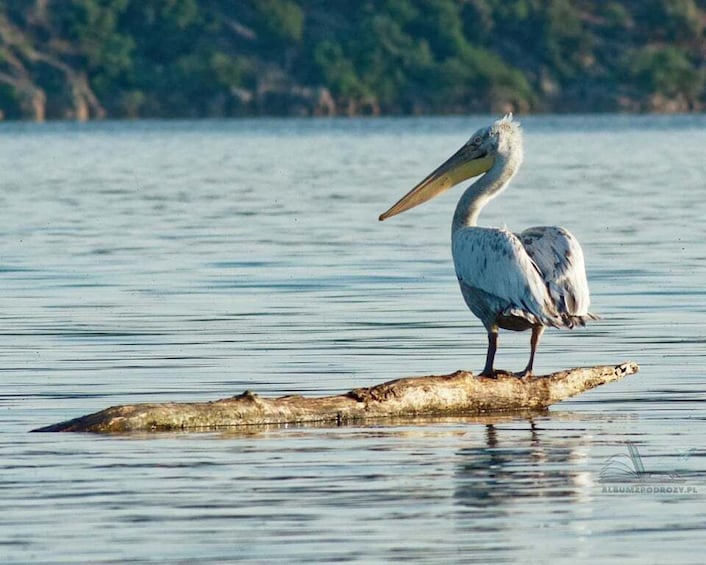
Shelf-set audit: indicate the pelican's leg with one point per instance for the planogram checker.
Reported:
(537, 332)
(488, 371)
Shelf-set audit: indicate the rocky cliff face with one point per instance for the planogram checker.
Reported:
(86, 59)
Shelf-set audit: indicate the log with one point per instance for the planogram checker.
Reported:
(460, 393)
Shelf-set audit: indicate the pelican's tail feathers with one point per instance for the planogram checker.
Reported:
(571, 321)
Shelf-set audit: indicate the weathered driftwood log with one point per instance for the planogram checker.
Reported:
(459, 393)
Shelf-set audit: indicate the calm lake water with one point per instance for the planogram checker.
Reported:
(181, 261)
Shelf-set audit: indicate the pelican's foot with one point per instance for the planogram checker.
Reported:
(496, 373)
(523, 374)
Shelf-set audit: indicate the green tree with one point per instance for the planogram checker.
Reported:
(666, 70)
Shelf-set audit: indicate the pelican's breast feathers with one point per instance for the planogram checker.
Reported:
(495, 262)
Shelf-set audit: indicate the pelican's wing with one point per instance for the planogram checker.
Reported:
(559, 257)
(495, 262)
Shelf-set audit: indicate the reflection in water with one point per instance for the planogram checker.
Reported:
(492, 477)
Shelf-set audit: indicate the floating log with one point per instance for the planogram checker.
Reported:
(460, 393)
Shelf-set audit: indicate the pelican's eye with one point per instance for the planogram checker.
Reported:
(476, 140)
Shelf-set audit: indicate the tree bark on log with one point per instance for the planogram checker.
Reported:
(460, 393)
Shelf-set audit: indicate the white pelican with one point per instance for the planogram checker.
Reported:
(512, 281)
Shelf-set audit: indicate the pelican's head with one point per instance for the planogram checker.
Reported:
(477, 156)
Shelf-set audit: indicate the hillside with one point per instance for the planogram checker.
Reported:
(85, 59)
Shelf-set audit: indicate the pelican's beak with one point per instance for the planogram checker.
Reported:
(467, 162)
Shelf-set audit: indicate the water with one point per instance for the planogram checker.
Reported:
(183, 261)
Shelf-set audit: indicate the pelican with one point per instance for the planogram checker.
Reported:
(516, 282)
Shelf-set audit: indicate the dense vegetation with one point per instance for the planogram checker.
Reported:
(191, 58)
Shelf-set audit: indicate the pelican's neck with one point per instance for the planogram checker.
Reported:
(485, 189)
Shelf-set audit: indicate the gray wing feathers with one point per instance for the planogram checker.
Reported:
(495, 262)
(559, 258)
